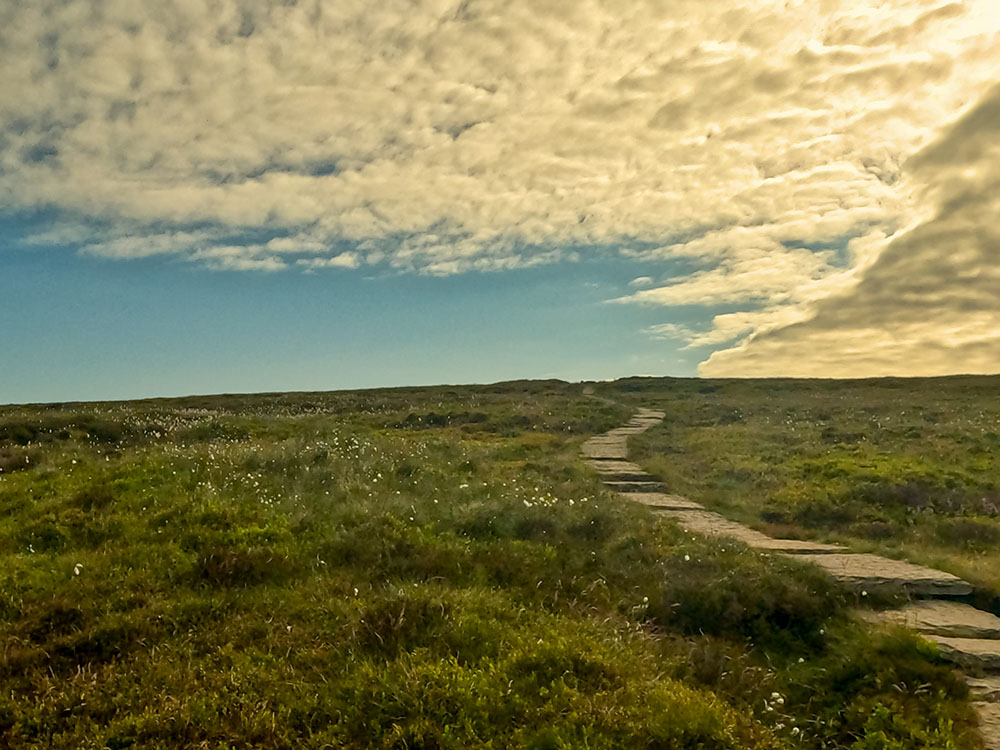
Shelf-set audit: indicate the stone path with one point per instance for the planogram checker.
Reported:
(968, 637)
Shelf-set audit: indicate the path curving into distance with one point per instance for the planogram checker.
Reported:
(966, 636)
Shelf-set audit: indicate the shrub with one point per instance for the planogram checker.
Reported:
(740, 595)
(238, 567)
(968, 533)
(96, 496)
(17, 459)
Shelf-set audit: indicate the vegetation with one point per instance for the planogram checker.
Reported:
(901, 467)
(410, 568)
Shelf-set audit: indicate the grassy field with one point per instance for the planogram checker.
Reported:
(906, 468)
(418, 568)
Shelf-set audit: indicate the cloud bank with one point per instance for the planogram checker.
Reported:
(815, 163)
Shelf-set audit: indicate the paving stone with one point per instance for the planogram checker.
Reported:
(630, 477)
(975, 653)
(617, 451)
(797, 546)
(614, 466)
(945, 618)
(663, 501)
(712, 524)
(989, 724)
(651, 414)
(653, 486)
(871, 572)
(985, 689)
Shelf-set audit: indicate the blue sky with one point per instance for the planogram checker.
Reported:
(87, 328)
(223, 195)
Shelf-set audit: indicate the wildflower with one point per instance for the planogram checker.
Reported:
(687, 558)
(77, 568)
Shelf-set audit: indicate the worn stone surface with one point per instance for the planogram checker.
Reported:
(613, 445)
(973, 653)
(797, 546)
(985, 688)
(597, 449)
(945, 618)
(605, 467)
(664, 501)
(872, 572)
(653, 486)
(712, 524)
(989, 724)
(630, 476)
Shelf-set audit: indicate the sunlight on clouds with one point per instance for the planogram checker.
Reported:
(782, 149)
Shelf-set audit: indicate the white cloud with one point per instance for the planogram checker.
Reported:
(671, 331)
(764, 142)
(925, 304)
(344, 260)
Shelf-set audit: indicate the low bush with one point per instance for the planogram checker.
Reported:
(14, 459)
(739, 595)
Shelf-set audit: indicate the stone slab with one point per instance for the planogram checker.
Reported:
(989, 724)
(712, 524)
(985, 689)
(632, 477)
(974, 653)
(648, 414)
(868, 572)
(653, 486)
(945, 618)
(604, 450)
(798, 547)
(664, 501)
(613, 466)
(606, 440)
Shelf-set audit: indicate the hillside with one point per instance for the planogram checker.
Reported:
(436, 568)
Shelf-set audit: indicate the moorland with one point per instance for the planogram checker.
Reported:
(436, 568)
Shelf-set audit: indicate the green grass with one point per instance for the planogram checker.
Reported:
(412, 568)
(902, 467)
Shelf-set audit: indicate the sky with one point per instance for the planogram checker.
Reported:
(204, 196)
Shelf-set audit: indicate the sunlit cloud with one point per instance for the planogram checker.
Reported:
(801, 159)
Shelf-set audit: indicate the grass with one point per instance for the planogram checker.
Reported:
(410, 568)
(900, 467)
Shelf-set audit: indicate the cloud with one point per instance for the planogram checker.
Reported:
(767, 145)
(927, 304)
(344, 260)
(671, 331)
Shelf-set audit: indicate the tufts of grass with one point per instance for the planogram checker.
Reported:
(310, 571)
(901, 467)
